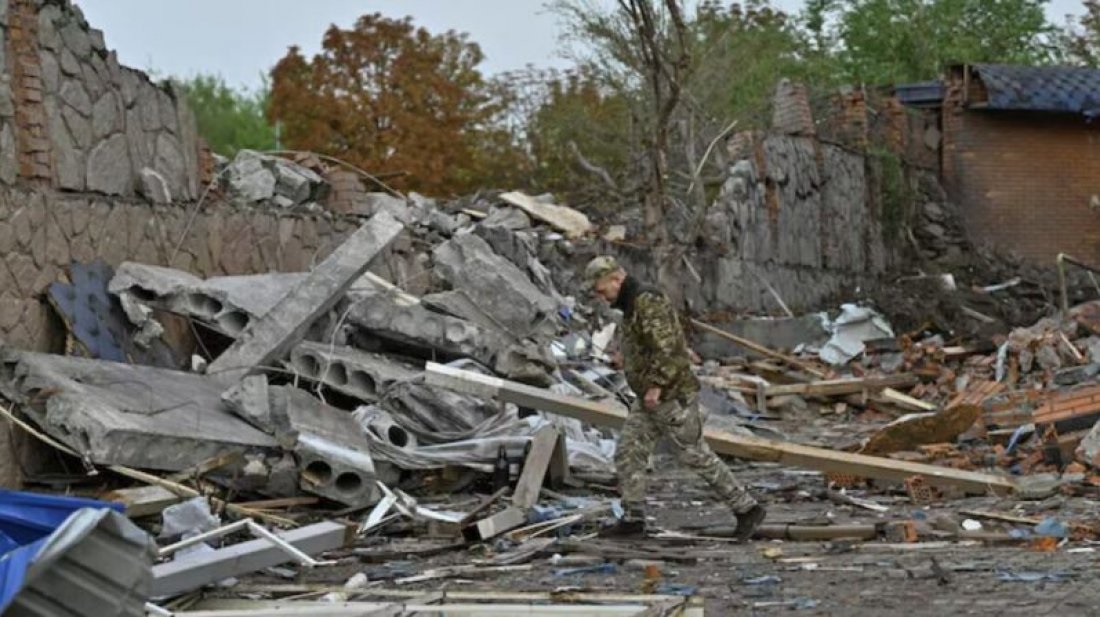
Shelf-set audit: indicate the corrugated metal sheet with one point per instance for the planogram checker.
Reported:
(96, 564)
(1041, 88)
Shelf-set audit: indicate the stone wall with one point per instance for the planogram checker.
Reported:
(41, 232)
(72, 118)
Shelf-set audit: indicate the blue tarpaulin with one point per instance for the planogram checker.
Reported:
(26, 522)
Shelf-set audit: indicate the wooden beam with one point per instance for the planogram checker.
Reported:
(535, 467)
(492, 526)
(144, 500)
(760, 349)
(837, 387)
(754, 448)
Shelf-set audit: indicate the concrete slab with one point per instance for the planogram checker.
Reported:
(121, 414)
(267, 339)
(348, 370)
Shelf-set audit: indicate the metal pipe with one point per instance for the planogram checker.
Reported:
(202, 537)
(257, 530)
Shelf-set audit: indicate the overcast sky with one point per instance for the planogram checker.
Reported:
(240, 39)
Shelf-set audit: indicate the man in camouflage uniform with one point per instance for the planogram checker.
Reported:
(658, 369)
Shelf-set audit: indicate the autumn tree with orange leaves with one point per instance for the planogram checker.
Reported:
(396, 100)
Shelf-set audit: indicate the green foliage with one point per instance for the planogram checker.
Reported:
(894, 189)
(896, 41)
(229, 119)
(1081, 38)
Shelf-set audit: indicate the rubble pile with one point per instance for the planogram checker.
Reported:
(395, 421)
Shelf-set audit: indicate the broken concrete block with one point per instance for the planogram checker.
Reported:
(333, 453)
(295, 182)
(520, 248)
(265, 340)
(350, 371)
(249, 400)
(572, 223)
(225, 303)
(248, 179)
(508, 218)
(502, 290)
(1088, 451)
(122, 414)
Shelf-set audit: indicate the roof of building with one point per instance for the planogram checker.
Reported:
(1041, 88)
(920, 94)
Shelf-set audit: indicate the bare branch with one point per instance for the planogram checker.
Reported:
(591, 167)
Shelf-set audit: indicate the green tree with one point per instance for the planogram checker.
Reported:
(1081, 38)
(229, 119)
(893, 41)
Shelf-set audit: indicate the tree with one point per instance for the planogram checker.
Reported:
(894, 41)
(394, 99)
(229, 119)
(1082, 36)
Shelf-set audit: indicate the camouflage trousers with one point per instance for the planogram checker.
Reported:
(683, 424)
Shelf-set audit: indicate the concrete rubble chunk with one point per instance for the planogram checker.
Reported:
(520, 248)
(267, 339)
(226, 303)
(295, 182)
(572, 223)
(501, 290)
(249, 180)
(348, 370)
(122, 414)
(250, 400)
(333, 452)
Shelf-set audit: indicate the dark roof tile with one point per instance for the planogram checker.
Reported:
(1041, 88)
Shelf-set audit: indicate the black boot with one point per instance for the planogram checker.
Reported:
(625, 528)
(631, 525)
(748, 521)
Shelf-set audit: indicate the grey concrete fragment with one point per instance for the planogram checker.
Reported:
(121, 414)
(520, 248)
(502, 290)
(348, 370)
(196, 571)
(1088, 451)
(227, 303)
(508, 218)
(154, 187)
(109, 169)
(333, 452)
(295, 182)
(248, 180)
(270, 337)
(249, 399)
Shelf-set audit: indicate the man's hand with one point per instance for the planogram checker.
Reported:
(652, 398)
(616, 360)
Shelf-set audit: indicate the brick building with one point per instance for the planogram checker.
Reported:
(1021, 155)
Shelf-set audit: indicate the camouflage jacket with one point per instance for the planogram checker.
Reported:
(653, 345)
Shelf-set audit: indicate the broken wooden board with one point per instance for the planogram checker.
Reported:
(837, 387)
(760, 349)
(755, 448)
(270, 337)
(492, 526)
(144, 500)
(908, 432)
(535, 467)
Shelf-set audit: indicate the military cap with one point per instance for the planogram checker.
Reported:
(598, 268)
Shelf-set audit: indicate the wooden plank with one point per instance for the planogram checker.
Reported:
(276, 504)
(754, 448)
(492, 526)
(760, 349)
(904, 400)
(529, 484)
(144, 500)
(837, 387)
